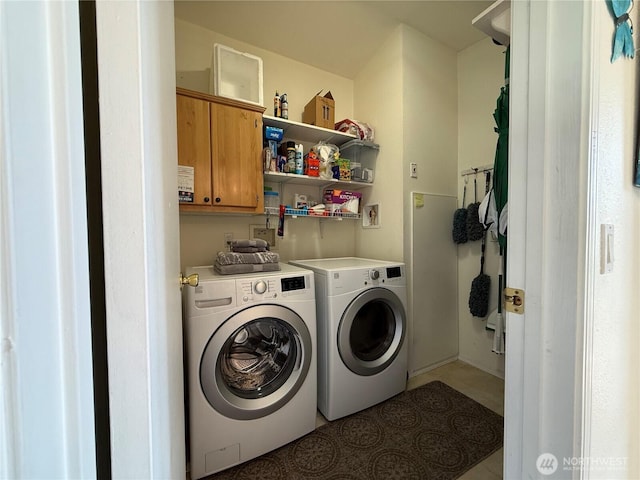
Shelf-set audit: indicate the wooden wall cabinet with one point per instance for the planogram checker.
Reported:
(221, 139)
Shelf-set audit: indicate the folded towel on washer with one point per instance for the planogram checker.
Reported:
(249, 246)
(245, 268)
(235, 258)
(253, 242)
(248, 249)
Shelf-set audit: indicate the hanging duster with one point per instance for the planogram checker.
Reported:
(459, 231)
(475, 229)
(481, 285)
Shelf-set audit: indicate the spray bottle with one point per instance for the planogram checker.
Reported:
(299, 160)
(284, 106)
(276, 105)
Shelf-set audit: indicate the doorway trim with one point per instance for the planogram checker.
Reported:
(547, 231)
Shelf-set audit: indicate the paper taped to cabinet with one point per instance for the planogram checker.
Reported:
(185, 184)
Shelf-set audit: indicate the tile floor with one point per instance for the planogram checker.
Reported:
(484, 388)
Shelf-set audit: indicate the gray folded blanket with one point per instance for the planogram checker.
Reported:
(245, 268)
(249, 246)
(235, 258)
(254, 242)
(248, 249)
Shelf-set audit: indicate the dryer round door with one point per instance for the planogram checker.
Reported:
(255, 362)
(371, 331)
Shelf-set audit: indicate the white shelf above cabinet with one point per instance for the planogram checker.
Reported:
(303, 213)
(308, 133)
(277, 177)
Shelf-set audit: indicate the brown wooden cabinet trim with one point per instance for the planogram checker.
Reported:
(221, 100)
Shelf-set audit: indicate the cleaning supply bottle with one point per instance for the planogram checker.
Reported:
(299, 160)
(291, 157)
(276, 105)
(284, 106)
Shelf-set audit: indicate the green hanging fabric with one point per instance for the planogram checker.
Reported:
(622, 39)
(501, 161)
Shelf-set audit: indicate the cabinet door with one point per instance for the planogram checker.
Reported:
(236, 136)
(194, 144)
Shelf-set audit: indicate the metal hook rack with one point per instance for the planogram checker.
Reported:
(476, 170)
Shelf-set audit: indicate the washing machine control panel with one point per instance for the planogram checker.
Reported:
(270, 288)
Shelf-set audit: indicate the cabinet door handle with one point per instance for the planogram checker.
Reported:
(218, 199)
(255, 123)
(206, 199)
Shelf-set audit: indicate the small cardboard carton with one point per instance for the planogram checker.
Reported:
(342, 201)
(320, 111)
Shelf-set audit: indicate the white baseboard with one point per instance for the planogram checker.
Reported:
(495, 373)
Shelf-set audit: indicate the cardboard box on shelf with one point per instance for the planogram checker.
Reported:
(320, 111)
(343, 201)
(273, 133)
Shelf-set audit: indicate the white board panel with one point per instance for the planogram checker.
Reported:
(434, 281)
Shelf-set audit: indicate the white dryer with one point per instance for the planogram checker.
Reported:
(250, 364)
(362, 332)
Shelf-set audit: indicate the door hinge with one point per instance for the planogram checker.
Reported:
(513, 300)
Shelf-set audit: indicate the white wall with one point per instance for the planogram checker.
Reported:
(194, 50)
(430, 115)
(480, 76)
(378, 101)
(202, 236)
(430, 133)
(615, 375)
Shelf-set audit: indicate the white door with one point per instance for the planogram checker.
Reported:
(546, 254)
(136, 70)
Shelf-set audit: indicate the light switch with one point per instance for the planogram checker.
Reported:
(606, 248)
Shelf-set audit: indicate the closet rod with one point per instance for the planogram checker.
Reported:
(473, 171)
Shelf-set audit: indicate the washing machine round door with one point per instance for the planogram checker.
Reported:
(255, 362)
(371, 331)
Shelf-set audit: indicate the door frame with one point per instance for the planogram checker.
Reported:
(46, 381)
(136, 74)
(546, 60)
(549, 153)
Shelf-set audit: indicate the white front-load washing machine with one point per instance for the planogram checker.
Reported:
(250, 364)
(362, 332)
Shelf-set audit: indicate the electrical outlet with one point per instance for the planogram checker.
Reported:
(228, 238)
(413, 170)
(268, 234)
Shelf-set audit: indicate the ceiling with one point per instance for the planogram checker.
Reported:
(335, 36)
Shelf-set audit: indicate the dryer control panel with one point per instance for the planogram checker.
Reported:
(343, 281)
(382, 275)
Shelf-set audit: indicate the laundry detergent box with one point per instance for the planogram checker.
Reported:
(343, 201)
